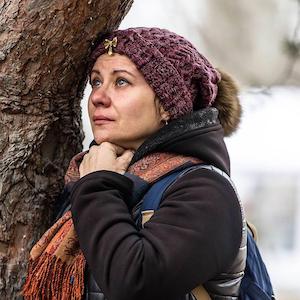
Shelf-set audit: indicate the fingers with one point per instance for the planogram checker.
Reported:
(126, 157)
(106, 156)
(124, 160)
(117, 149)
(107, 146)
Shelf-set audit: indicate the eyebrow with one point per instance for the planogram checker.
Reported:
(114, 71)
(122, 71)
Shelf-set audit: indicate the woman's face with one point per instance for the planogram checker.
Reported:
(122, 107)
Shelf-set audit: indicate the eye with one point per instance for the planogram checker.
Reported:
(95, 82)
(122, 82)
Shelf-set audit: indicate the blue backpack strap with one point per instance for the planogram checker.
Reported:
(152, 198)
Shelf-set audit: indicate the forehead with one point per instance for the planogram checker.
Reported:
(114, 61)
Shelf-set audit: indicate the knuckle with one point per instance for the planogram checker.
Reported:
(105, 144)
(122, 160)
(91, 150)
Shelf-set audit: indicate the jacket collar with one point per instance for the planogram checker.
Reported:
(196, 120)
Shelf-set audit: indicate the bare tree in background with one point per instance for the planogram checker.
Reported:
(292, 49)
(43, 49)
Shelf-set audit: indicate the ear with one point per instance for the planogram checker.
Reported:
(165, 116)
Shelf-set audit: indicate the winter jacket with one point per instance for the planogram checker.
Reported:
(194, 236)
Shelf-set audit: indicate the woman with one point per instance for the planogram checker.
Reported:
(153, 107)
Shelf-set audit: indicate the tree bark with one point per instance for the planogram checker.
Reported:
(43, 49)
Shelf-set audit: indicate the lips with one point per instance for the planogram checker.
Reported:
(100, 119)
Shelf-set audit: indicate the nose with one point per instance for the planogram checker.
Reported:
(100, 97)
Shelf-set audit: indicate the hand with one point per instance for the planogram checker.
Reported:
(106, 156)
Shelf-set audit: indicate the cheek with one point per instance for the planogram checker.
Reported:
(141, 106)
(141, 118)
(138, 114)
(89, 106)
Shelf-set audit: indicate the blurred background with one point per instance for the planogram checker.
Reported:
(258, 43)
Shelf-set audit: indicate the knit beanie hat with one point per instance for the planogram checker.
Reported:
(181, 77)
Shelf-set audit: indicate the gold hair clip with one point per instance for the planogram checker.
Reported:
(110, 45)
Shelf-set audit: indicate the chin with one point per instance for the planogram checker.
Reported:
(123, 144)
(100, 139)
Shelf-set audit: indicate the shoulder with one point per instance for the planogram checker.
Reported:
(205, 185)
(205, 203)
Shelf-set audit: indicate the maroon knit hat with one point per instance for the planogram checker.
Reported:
(180, 76)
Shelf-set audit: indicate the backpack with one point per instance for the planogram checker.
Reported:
(256, 284)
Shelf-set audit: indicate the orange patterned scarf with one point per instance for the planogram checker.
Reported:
(56, 264)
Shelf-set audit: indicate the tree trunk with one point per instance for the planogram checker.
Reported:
(43, 49)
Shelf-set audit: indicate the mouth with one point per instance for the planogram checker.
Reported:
(99, 120)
